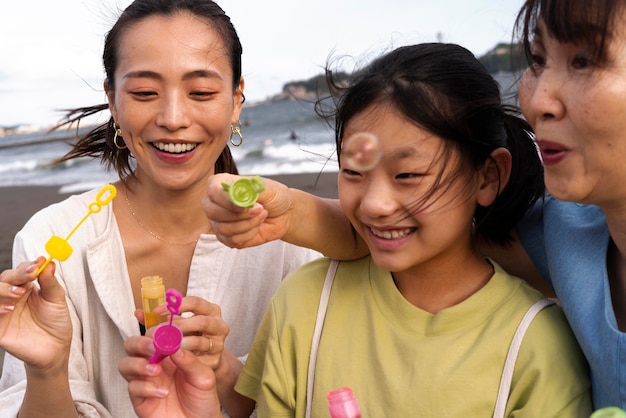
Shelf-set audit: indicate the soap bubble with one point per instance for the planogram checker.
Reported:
(361, 151)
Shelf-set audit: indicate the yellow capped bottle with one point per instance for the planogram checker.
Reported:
(152, 295)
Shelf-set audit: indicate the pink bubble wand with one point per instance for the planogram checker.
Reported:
(167, 338)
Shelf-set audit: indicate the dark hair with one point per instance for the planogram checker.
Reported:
(98, 143)
(588, 22)
(445, 90)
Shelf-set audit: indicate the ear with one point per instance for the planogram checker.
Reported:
(111, 99)
(494, 176)
(237, 101)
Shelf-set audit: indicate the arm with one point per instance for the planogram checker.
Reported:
(35, 326)
(227, 374)
(282, 213)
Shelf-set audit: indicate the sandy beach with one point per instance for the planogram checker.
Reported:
(18, 204)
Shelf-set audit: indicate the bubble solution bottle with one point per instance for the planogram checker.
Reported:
(342, 404)
(152, 295)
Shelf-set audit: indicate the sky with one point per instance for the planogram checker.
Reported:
(50, 51)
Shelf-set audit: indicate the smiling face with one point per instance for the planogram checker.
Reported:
(577, 108)
(173, 98)
(405, 224)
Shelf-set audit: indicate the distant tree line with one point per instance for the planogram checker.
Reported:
(505, 58)
(317, 84)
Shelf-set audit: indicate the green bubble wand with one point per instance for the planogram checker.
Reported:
(245, 191)
(58, 247)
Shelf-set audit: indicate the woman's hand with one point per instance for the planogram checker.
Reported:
(268, 220)
(35, 324)
(179, 386)
(204, 336)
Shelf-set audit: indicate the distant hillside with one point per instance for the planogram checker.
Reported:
(503, 58)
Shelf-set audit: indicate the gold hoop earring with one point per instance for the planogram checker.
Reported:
(236, 130)
(118, 134)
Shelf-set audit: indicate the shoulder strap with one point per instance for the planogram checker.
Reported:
(317, 332)
(509, 365)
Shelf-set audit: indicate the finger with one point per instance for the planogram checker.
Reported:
(132, 368)
(244, 240)
(51, 289)
(140, 316)
(207, 347)
(146, 389)
(242, 224)
(11, 292)
(24, 273)
(216, 193)
(196, 372)
(202, 325)
(199, 306)
(139, 346)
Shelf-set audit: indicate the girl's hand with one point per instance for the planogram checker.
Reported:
(269, 219)
(35, 324)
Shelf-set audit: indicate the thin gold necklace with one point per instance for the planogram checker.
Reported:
(145, 228)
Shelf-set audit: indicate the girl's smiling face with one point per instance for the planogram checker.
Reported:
(415, 207)
(174, 99)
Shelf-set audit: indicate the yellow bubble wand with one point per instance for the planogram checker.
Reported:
(58, 247)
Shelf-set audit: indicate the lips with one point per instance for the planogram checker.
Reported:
(552, 152)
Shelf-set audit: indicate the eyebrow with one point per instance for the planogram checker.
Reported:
(187, 76)
(405, 152)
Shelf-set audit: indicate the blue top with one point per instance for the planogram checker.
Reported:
(568, 242)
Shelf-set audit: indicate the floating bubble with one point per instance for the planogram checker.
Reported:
(361, 151)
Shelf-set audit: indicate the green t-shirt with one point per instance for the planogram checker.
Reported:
(401, 361)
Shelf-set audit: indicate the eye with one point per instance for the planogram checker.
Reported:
(144, 94)
(201, 94)
(582, 61)
(537, 60)
(409, 176)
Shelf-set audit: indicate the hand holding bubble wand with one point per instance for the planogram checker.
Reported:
(58, 247)
(167, 338)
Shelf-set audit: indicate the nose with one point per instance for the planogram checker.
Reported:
(173, 114)
(541, 94)
(379, 200)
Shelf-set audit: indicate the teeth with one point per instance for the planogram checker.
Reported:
(174, 148)
(395, 234)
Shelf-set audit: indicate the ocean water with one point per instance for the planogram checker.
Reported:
(283, 137)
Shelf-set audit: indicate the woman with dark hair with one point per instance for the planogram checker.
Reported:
(175, 92)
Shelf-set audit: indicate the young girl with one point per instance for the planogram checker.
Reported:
(424, 325)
